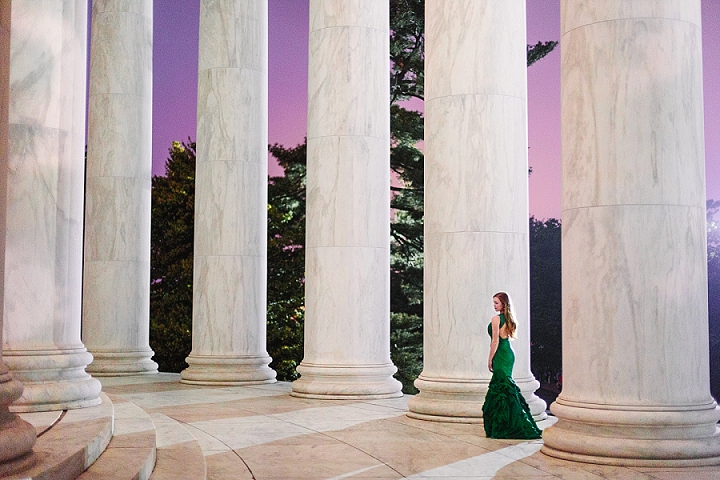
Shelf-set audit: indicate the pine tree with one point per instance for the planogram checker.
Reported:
(171, 260)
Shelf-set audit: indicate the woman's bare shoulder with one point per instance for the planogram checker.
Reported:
(495, 319)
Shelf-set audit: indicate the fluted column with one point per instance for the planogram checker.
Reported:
(635, 332)
(347, 285)
(476, 202)
(17, 437)
(229, 278)
(116, 280)
(43, 250)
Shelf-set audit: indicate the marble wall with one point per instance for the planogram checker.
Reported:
(116, 283)
(43, 255)
(476, 202)
(347, 289)
(229, 278)
(635, 336)
(17, 437)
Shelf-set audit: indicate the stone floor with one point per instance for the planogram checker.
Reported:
(261, 432)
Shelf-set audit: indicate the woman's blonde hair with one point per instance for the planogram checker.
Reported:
(511, 326)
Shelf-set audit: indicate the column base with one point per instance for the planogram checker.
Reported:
(673, 436)
(17, 436)
(53, 379)
(450, 400)
(227, 370)
(528, 386)
(346, 382)
(122, 363)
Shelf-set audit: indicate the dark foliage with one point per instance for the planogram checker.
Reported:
(286, 262)
(171, 261)
(545, 296)
(538, 51)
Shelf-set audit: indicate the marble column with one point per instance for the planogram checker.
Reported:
(229, 278)
(347, 285)
(116, 280)
(43, 253)
(635, 332)
(17, 437)
(476, 202)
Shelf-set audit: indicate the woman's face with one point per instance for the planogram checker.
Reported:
(497, 304)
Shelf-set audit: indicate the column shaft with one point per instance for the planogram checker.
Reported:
(230, 267)
(43, 253)
(476, 202)
(635, 336)
(116, 281)
(17, 437)
(347, 285)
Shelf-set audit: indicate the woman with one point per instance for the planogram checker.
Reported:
(505, 413)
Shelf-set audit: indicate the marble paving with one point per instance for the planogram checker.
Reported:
(261, 432)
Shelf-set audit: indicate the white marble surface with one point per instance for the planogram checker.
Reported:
(17, 436)
(347, 289)
(43, 269)
(635, 341)
(476, 202)
(235, 433)
(116, 285)
(229, 284)
(344, 194)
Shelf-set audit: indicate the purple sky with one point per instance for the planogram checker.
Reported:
(175, 88)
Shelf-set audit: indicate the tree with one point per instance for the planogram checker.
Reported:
(171, 259)
(545, 295)
(286, 261)
(407, 46)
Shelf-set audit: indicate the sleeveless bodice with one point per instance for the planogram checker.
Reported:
(502, 322)
(504, 356)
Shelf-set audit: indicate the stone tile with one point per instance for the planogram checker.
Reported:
(180, 461)
(153, 379)
(185, 396)
(208, 444)
(133, 440)
(561, 468)
(226, 465)
(120, 390)
(237, 433)
(406, 449)
(129, 418)
(688, 473)
(41, 420)
(122, 464)
(201, 411)
(306, 461)
(168, 432)
(324, 419)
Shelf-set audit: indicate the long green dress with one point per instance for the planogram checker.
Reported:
(505, 412)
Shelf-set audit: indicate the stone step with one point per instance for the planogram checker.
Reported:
(68, 442)
(131, 453)
(179, 456)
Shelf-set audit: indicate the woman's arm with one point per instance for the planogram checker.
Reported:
(495, 339)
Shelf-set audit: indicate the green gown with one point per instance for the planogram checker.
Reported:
(505, 412)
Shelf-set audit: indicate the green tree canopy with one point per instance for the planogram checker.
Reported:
(171, 259)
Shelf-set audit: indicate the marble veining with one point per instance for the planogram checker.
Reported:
(582, 14)
(116, 292)
(476, 202)
(347, 289)
(640, 162)
(344, 196)
(230, 269)
(634, 267)
(465, 37)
